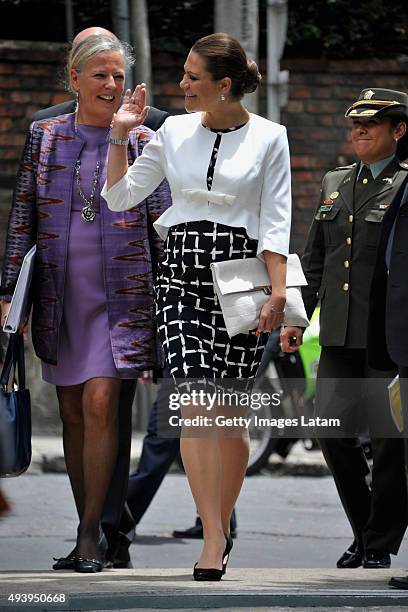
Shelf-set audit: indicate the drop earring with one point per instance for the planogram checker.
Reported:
(76, 112)
(222, 98)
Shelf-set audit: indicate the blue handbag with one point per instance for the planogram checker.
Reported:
(15, 412)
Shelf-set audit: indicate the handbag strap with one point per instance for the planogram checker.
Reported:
(14, 359)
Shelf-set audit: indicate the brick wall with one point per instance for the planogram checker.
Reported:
(319, 93)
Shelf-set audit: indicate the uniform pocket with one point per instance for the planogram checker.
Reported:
(326, 215)
(327, 218)
(373, 220)
(375, 215)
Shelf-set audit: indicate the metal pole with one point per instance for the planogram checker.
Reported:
(240, 19)
(69, 20)
(121, 20)
(277, 83)
(141, 44)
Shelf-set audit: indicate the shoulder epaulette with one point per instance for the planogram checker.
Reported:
(344, 167)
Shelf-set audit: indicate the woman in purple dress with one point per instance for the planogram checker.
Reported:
(92, 286)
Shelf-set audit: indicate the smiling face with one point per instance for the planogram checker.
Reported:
(375, 139)
(201, 92)
(100, 85)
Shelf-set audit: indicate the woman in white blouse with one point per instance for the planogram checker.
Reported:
(229, 175)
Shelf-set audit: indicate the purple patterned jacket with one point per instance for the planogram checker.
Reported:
(41, 212)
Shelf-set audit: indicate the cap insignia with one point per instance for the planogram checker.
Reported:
(368, 94)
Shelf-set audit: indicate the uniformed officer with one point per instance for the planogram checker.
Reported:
(338, 262)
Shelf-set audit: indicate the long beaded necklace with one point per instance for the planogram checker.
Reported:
(88, 212)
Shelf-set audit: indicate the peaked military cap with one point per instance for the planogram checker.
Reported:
(379, 103)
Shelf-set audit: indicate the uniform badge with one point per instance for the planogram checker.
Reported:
(334, 195)
(387, 180)
(325, 208)
(383, 206)
(328, 202)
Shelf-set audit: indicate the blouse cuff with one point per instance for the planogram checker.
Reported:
(266, 245)
(114, 195)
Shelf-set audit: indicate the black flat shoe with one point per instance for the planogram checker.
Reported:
(64, 563)
(120, 559)
(225, 556)
(377, 559)
(400, 582)
(92, 565)
(352, 557)
(88, 566)
(207, 574)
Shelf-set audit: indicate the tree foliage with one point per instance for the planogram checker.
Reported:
(347, 28)
(317, 28)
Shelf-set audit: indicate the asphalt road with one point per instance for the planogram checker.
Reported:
(293, 522)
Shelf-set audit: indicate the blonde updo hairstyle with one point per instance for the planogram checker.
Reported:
(81, 53)
(225, 57)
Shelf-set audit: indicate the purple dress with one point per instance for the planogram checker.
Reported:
(84, 349)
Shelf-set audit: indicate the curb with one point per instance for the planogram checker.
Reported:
(175, 590)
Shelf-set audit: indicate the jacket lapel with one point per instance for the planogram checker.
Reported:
(383, 183)
(346, 187)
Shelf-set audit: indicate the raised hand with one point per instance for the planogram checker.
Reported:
(133, 111)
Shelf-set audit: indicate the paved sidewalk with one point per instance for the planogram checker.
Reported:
(150, 588)
(48, 456)
(175, 589)
(48, 453)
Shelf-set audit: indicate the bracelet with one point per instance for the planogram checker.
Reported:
(273, 309)
(119, 141)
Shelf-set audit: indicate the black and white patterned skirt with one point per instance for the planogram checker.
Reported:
(190, 322)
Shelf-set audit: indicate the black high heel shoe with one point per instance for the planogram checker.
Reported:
(207, 574)
(226, 555)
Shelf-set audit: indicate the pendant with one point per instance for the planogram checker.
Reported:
(88, 214)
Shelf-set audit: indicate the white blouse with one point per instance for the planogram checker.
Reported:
(250, 186)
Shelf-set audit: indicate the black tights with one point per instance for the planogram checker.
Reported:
(89, 414)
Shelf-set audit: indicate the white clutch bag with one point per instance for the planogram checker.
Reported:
(242, 287)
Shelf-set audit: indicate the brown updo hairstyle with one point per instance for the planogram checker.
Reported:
(225, 57)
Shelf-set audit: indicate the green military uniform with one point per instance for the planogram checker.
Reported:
(339, 262)
(339, 256)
